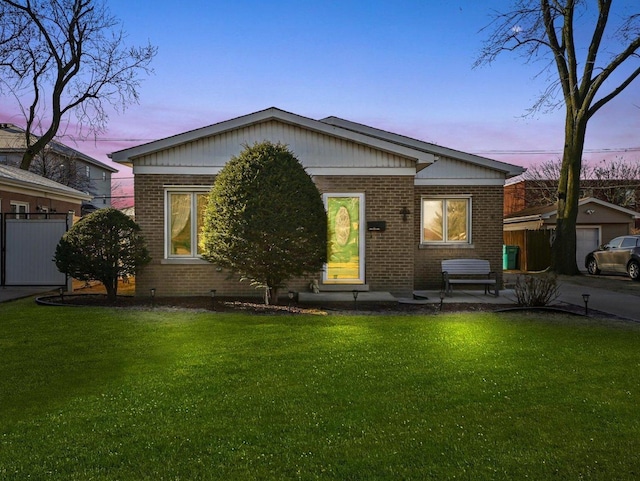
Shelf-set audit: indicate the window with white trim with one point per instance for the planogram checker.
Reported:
(19, 208)
(185, 216)
(446, 220)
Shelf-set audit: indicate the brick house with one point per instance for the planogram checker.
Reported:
(62, 164)
(387, 194)
(23, 192)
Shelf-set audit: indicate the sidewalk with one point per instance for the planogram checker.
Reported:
(11, 293)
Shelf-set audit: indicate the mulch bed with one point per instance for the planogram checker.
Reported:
(203, 303)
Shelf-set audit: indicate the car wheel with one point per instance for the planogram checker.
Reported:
(634, 270)
(592, 267)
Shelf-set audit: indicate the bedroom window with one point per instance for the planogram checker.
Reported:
(185, 214)
(446, 220)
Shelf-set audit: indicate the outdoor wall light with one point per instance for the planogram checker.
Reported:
(405, 212)
(585, 298)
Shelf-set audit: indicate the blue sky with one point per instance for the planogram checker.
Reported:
(400, 65)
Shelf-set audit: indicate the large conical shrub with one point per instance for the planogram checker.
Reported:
(265, 219)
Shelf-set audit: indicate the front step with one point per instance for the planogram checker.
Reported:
(344, 287)
(346, 297)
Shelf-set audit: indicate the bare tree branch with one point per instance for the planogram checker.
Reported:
(63, 56)
(582, 37)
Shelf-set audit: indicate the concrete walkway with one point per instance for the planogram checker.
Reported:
(615, 295)
(12, 293)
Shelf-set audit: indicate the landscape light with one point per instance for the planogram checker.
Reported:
(585, 298)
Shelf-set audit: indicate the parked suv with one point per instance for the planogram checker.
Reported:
(621, 255)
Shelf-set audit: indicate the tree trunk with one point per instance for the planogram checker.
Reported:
(563, 250)
(111, 286)
(39, 145)
(271, 295)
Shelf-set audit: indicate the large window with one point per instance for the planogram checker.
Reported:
(446, 220)
(185, 214)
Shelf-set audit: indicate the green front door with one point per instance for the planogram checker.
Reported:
(345, 243)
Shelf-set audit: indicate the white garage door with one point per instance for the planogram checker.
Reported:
(587, 239)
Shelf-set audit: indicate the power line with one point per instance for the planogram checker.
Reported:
(541, 152)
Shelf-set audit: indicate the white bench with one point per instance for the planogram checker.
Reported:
(471, 271)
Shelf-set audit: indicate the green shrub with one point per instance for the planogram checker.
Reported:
(536, 290)
(102, 246)
(265, 219)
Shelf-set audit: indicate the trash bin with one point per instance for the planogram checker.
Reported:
(509, 257)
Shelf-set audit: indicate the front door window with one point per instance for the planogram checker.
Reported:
(345, 243)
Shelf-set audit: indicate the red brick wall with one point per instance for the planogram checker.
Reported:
(389, 255)
(514, 198)
(486, 232)
(34, 202)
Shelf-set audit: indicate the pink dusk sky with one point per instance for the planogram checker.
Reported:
(403, 66)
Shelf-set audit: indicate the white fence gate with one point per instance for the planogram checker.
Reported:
(28, 247)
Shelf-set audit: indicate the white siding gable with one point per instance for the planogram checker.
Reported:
(448, 171)
(318, 153)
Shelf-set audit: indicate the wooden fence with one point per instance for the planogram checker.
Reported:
(534, 248)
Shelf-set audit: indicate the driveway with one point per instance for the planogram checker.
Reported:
(616, 295)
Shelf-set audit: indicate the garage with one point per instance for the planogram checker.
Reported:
(597, 223)
(587, 240)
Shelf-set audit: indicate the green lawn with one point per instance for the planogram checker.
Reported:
(174, 395)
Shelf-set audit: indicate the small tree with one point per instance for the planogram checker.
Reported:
(103, 246)
(265, 219)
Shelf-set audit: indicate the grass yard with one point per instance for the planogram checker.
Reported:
(92, 393)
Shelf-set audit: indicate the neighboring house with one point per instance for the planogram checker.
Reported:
(34, 214)
(62, 164)
(520, 194)
(23, 192)
(401, 205)
(532, 230)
